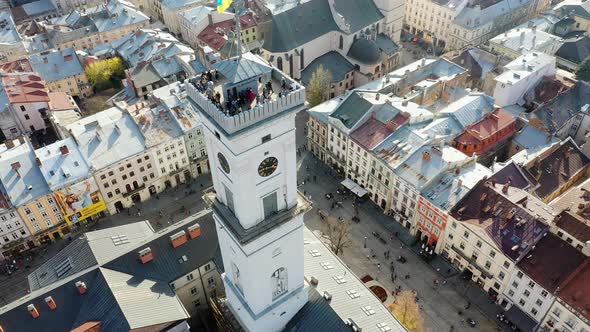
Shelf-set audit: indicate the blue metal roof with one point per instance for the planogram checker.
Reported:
(55, 164)
(20, 175)
(175, 4)
(38, 7)
(107, 137)
(239, 69)
(8, 35)
(57, 65)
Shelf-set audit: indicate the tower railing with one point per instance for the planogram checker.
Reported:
(233, 123)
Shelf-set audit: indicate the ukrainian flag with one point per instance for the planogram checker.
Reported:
(222, 5)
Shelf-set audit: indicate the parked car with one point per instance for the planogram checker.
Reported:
(471, 322)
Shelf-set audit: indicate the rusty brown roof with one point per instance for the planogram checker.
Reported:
(554, 170)
(551, 262)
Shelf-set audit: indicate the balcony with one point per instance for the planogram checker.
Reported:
(244, 235)
(233, 121)
(472, 262)
(136, 190)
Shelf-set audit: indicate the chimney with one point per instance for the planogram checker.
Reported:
(314, 281)
(391, 125)
(39, 163)
(178, 239)
(210, 17)
(51, 303)
(423, 62)
(377, 96)
(426, 155)
(16, 166)
(483, 197)
(81, 286)
(457, 170)
(405, 102)
(146, 255)
(64, 149)
(459, 183)
(21, 139)
(505, 187)
(9, 143)
(493, 182)
(33, 310)
(194, 231)
(521, 38)
(567, 152)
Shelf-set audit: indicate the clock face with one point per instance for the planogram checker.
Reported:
(223, 163)
(268, 166)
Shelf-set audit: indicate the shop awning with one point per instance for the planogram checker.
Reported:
(354, 187)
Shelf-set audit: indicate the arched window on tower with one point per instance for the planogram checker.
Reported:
(341, 42)
(236, 276)
(301, 60)
(280, 63)
(278, 281)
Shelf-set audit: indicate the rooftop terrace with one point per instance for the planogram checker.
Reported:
(246, 82)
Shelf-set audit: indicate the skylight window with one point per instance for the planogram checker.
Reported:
(315, 253)
(368, 310)
(383, 327)
(339, 279)
(119, 239)
(326, 265)
(353, 294)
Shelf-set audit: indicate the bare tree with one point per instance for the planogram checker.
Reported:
(407, 311)
(338, 233)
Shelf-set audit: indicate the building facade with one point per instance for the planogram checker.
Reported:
(255, 185)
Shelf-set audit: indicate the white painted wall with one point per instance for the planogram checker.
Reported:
(522, 289)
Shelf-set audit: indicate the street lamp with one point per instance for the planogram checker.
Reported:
(365, 242)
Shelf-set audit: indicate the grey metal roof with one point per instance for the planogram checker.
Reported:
(470, 109)
(73, 309)
(301, 24)
(557, 112)
(74, 258)
(316, 315)
(239, 69)
(316, 256)
(352, 109)
(385, 44)
(168, 263)
(91, 249)
(365, 51)
(144, 302)
(575, 49)
(332, 61)
(358, 14)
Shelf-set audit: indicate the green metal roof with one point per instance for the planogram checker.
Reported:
(331, 61)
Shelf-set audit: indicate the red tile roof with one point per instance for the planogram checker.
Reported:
(370, 134)
(551, 262)
(25, 88)
(486, 127)
(216, 35)
(59, 101)
(575, 291)
(17, 66)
